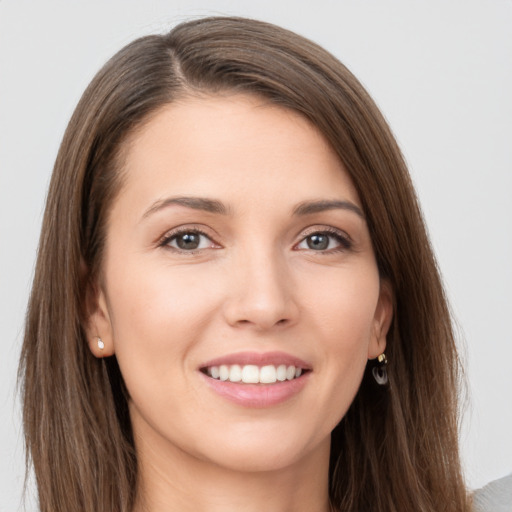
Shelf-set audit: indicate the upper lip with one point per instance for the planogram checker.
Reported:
(275, 358)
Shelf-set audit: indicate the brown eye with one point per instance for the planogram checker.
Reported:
(189, 241)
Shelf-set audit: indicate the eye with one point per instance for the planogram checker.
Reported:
(189, 240)
(325, 241)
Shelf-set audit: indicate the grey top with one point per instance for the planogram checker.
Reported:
(494, 497)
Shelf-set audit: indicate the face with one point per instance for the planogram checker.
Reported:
(237, 249)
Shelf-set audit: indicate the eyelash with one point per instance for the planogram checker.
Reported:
(345, 244)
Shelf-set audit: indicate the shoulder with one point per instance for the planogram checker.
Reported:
(494, 497)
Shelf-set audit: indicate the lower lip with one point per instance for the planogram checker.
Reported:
(257, 395)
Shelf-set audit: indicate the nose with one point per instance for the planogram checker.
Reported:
(260, 293)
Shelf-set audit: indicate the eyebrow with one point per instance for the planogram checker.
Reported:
(310, 207)
(196, 203)
(215, 206)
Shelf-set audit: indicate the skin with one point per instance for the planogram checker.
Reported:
(254, 284)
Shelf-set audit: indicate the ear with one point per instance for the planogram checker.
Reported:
(97, 323)
(381, 320)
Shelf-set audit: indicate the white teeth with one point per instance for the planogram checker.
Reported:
(268, 374)
(235, 373)
(281, 372)
(252, 374)
(224, 372)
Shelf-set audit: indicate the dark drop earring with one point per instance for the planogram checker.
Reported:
(379, 371)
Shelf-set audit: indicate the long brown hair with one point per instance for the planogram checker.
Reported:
(396, 448)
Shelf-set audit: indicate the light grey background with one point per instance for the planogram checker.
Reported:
(441, 71)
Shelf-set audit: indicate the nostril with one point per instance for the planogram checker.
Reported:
(281, 322)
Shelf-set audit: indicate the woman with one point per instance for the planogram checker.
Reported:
(231, 253)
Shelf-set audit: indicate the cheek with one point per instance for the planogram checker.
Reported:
(342, 306)
(341, 314)
(157, 316)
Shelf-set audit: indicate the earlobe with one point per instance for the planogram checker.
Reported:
(382, 320)
(97, 324)
(98, 348)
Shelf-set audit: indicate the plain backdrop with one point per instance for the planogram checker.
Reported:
(441, 71)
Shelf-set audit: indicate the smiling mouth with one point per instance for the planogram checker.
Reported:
(253, 374)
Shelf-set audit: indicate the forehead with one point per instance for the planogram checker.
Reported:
(230, 146)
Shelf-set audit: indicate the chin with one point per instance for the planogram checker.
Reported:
(274, 450)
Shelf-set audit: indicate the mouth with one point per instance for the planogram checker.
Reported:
(254, 374)
(256, 379)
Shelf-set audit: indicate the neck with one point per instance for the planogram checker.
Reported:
(171, 480)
